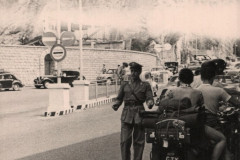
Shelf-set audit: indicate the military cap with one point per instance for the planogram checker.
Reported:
(135, 66)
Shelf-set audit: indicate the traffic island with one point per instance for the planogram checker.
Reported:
(98, 102)
(79, 94)
(59, 101)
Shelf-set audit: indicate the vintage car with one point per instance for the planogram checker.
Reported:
(109, 77)
(194, 65)
(9, 81)
(157, 68)
(172, 66)
(173, 81)
(147, 77)
(201, 58)
(67, 76)
(234, 74)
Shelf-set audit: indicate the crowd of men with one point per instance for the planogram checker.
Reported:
(206, 93)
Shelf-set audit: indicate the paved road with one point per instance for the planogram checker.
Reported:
(82, 135)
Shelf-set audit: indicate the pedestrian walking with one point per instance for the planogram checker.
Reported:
(133, 93)
(122, 71)
(104, 70)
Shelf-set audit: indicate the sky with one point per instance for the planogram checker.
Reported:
(214, 18)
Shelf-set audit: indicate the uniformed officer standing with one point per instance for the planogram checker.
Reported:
(134, 93)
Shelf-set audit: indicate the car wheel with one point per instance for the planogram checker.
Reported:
(46, 84)
(16, 87)
(37, 87)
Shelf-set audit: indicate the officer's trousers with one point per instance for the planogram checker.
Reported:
(129, 132)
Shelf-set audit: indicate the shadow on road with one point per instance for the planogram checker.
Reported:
(102, 148)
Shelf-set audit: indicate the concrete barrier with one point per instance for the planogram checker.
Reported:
(59, 102)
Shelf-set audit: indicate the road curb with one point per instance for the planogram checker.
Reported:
(59, 113)
(83, 106)
(94, 103)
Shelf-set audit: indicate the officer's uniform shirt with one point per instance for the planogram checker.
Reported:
(143, 92)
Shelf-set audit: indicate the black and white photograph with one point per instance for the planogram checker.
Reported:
(120, 79)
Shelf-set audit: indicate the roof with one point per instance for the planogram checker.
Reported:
(5, 73)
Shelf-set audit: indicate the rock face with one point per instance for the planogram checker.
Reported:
(20, 20)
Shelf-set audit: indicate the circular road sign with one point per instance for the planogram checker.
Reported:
(58, 52)
(167, 46)
(49, 38)
(67, 38)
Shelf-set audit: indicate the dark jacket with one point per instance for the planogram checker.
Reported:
(133, 105)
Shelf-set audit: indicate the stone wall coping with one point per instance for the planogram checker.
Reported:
(76, 48)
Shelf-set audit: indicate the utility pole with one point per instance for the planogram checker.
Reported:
(196, 44)
(80, 40)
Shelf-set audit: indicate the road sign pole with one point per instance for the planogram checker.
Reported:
(58, 41)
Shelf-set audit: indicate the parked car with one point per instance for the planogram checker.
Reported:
(201, 58)
(67, 76)
(232, 72)
(173, 81)
(157, 68)
(160, 74)
(172, 66)
(194, 65)
(148, 77)
(9, 81)
(108, 77)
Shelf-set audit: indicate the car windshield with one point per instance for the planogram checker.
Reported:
(157, 69)
(171, 64)
(8, 76)
(110, 71)
(202, 57)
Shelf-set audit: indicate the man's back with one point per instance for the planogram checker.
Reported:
(212, 96)
(179, 93)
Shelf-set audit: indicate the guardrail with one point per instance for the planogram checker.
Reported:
(98, 89)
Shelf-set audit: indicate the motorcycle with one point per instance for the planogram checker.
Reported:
(170, 138)
(230, 125)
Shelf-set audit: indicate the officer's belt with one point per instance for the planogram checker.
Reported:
(132, 103)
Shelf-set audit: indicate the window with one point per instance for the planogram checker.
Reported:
(110, 71)
(8, 76)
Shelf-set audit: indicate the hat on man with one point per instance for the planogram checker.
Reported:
(135, 66)
(208, 64)
(220, 63)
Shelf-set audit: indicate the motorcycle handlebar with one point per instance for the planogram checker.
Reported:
(229, 111)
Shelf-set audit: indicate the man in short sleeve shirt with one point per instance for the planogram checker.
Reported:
(212, 96)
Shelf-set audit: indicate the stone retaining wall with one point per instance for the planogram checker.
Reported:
(28, 62)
